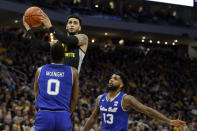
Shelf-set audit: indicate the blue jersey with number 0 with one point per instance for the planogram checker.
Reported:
(113, 117)
(55, 87)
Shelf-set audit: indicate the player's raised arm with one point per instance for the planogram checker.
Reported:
(94, 116)
(130, 102)
(36, 44)
(36, 83)
(75, 90)
(70, 40)
(64, 38)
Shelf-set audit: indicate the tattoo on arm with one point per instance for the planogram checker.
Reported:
(135, 104)
(157, 115)
(83, 39)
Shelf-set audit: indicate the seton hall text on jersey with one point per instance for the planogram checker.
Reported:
(57, 74)
(110, 109)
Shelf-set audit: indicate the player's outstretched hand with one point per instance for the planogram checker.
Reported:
(46, 21)
(27, 27)
(177, 123)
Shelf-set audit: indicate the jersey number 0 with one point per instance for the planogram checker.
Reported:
(57, 86)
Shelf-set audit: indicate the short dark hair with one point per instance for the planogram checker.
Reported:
(74, 16)
(57, 52)
(123, 78)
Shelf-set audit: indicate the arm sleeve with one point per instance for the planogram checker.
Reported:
(38, 45)
(67, 40)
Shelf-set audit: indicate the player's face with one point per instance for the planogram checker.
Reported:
(115, 83)
(73, 26)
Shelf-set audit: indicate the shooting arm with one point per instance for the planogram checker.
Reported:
(38, 45)
(72, 40)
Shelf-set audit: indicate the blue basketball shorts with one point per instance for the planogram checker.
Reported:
(52, 121)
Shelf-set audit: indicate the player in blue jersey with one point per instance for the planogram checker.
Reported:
(56, 93)
(114, 107)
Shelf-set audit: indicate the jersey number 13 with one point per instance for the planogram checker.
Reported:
(109, 117)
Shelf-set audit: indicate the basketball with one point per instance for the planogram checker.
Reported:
(33, 16)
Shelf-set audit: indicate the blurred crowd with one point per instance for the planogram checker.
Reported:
(120, 10)
(158, 77)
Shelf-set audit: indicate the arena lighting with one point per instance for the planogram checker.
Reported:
(121, 42)
(15, 21)
(166, 43)
(143, 37)
(158, 42)
(177, 2)
(140, 9)
(174, 13)
(96, 6)
(51, 37)
(93, 40)
(106, 33)
(143, 41)
(150, 41)
(175, 41)
(111, 4)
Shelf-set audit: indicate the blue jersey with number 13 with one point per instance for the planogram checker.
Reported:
(55, 87)
(113, 117)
